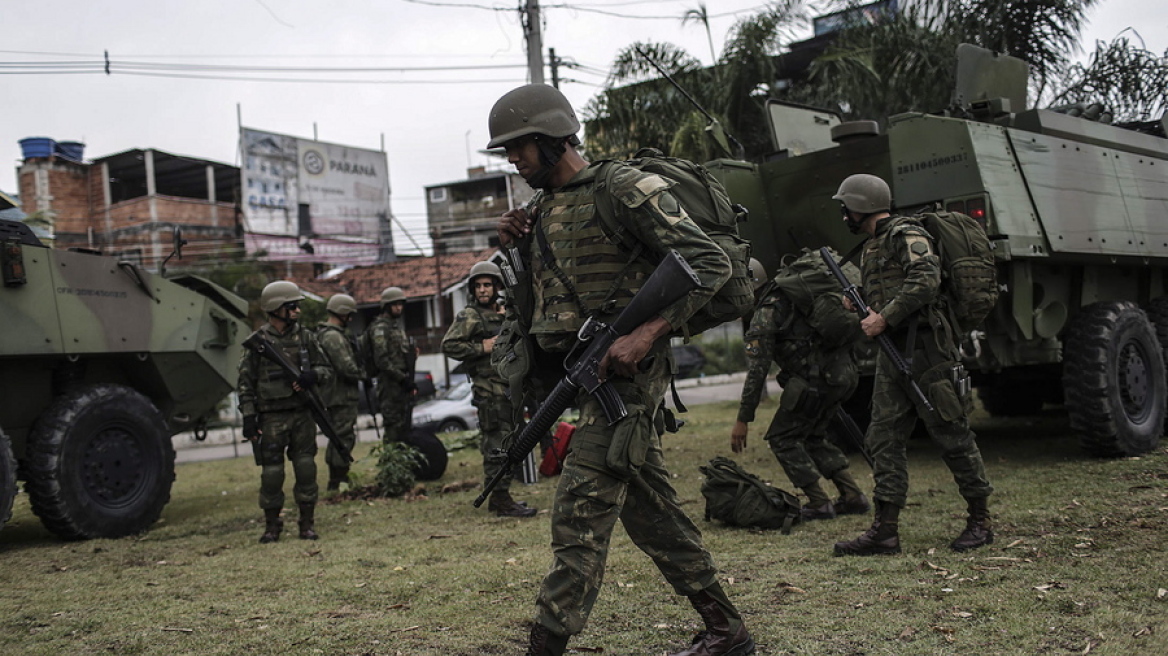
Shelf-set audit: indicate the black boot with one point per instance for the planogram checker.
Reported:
(818, 503)
(882, 538)
(545, 643)
(977, 531)
(337, 475)
(307, 521)
(503, 505)
(851, 501)
(725, 633)
(272, 525)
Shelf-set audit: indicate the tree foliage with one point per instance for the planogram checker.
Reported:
(873, 69)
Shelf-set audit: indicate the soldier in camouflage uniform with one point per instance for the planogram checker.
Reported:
(276, 420)
(902, 277)
(470, 340)
(817, 372)
(618, 471)
(394, 355)
(341, 397)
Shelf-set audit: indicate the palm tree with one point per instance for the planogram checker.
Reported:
(701, 15)
(1130, 81)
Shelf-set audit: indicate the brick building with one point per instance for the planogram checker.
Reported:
(128, 204)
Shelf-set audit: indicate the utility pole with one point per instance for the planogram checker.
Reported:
(554, 63)
(531, 34)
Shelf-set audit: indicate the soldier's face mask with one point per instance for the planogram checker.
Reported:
(854, 226)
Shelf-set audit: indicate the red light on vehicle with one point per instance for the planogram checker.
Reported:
(977, 210)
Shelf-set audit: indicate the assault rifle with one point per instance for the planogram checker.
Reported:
(671, 280)
(854, 434)
(853, 294)
(262, 347)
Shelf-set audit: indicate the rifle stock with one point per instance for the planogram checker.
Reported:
(265, 349)
(853, 294)
(671, 280)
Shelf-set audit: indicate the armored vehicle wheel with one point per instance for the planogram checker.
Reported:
(1114, 380)
(434, 451)
(7, 479)
(100, 463)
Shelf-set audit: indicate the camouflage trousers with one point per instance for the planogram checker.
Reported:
(291, 434)
(798, 433)
(894, 416)
(617, 472)
(494, 412)
(397, 405)
(344, 418)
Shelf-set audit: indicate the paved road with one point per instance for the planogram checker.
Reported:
(227, 442)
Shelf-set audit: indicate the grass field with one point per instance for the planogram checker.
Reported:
(1078, 567)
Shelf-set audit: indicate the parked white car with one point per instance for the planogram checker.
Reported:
(450, 411)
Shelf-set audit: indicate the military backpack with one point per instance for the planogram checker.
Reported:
(969, 279)
(707, 203)
(738, 498)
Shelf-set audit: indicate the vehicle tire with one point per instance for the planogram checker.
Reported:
(1011, 400)
(1114, 380)
(432, 448)
(1157, 311)
(451, 426)
(100, 463)
(7, 479)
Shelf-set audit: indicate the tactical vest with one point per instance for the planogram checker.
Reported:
(795, 341)
(577, 271)
(883, 274)
(492, 322)
(274, 391)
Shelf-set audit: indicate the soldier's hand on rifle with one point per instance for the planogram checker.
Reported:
(848, 304)
(738, 437)
(306, 380)
(489, 344)
(873, 324)
(626, 353)
(251, 427)
(513, 225)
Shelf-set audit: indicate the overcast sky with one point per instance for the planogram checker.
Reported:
(433, 122)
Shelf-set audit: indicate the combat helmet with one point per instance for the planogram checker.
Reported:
(758, 275)
(531, 109)
(392, 295)
(864, 193)
(486, 268)
(341, 305)
(278, 293)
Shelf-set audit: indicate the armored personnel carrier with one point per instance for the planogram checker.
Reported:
(1075, 209)
(100, 363)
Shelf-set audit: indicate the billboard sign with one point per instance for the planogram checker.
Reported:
(300, 193)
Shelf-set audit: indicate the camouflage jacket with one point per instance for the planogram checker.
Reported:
(392, 350)
(264, 387)
(596, 271)
(343, 356)
(902, 273)
(816, 347)
(464, 342)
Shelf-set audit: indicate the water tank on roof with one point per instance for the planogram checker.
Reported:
(73, 150)
(37, 147)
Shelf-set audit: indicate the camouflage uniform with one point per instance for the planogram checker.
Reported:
(342, 395)
(817, 373)
(285, 422)
(615, 472)
(902, 276)
(464, 342)
(394, 356)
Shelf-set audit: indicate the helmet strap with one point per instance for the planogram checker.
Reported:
(550, 153)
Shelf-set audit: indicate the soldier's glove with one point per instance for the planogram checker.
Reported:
(251, 427)
(307, 379)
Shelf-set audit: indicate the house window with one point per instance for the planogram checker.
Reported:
(438, 195)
